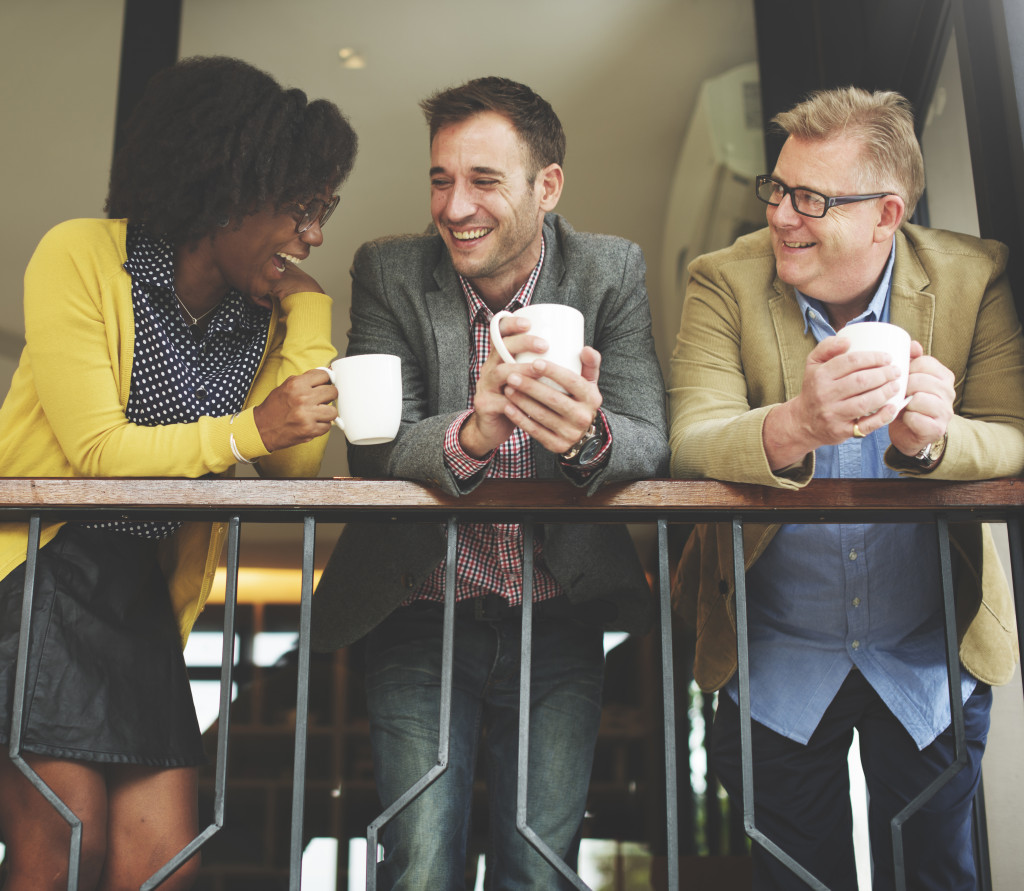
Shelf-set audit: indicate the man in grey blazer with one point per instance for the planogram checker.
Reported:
(496, 175)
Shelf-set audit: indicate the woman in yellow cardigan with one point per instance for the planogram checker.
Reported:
(176, 339)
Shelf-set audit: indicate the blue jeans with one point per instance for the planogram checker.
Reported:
(425, 844)
(802, 793)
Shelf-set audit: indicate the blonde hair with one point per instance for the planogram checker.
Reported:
(883, 123)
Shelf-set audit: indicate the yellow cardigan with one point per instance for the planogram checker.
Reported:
(64, 414)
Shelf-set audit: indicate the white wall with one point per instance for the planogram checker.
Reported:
(59, 63)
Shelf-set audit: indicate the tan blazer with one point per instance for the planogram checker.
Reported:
(741, 349)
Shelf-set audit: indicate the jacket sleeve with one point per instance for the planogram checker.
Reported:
(716, 430)
(630, 379)
(985, 437)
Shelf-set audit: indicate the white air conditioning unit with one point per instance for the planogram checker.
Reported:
(712, 199)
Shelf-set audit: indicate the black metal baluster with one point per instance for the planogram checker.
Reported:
(302, 705)
(444, 719)
(18, 708)
(956, 708)
(525, 659)
(1015, 536)
(746, 754)
(668, 694)
(223, 719)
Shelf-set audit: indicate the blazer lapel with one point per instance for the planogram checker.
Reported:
(448, 314)
(911, 306)
(794, 342)
(553, 287)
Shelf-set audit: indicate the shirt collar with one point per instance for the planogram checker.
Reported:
(815, 312)
(150, 260)
(478, 309)
(151, 263)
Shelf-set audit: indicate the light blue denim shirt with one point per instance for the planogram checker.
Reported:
(826, 598)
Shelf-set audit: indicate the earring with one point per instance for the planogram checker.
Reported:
(223, 223)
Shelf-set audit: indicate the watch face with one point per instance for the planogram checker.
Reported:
(590, 449)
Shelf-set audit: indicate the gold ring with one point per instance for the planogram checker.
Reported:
(856, 432)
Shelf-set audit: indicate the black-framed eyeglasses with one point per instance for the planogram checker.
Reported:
(805, 201)
(317, 211)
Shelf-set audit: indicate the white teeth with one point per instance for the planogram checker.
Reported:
(469, 234)
(798, 244)
(289, 257)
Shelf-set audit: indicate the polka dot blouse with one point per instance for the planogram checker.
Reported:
(178, 373)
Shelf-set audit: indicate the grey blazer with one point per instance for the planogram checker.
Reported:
(407, 300)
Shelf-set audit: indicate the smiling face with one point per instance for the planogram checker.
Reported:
(486, 210)
(839, 258)
(251, 256)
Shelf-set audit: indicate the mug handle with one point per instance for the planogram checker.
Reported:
(330, 374)
(499, 344)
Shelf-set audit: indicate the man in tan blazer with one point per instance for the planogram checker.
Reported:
(845, 622)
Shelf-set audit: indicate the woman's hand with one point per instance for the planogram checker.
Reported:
(297, 411)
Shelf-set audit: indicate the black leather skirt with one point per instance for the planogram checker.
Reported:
(106, 680)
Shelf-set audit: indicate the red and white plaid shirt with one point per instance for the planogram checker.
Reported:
(489, 556)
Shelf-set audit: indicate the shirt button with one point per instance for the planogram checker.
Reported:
(853, 553)
(201, 393)
(856, 644)
(856, 601)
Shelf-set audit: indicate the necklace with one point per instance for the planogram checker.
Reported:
(190, 319)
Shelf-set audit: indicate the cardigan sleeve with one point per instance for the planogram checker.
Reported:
(79, 334)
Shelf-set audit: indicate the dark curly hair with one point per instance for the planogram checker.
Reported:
(532, 116)
(214, 138)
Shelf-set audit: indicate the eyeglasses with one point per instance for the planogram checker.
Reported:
(805, 201)
(317, 211)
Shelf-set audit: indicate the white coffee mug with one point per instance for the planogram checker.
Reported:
(561, 326)
(369, 397)
(884, 338)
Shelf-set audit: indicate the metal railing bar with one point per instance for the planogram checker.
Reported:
(302, 704)
(223, 717)
(444, 717)
(1015, 536)
(956, 708)
(18, 708)
(224, 714)
(746, 729)
(979, 837)
(1007, 510)
(525, 662)
(669, 699)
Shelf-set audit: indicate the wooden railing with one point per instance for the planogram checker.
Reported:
(662, 502)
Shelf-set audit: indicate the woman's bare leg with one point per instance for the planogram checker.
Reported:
(152, 815)
(37, 838)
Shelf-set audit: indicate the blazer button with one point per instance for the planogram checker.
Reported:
(408, 581)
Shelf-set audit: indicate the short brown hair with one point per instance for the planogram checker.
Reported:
(883, 122)
(532, 117)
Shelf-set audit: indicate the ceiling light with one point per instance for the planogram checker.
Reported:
(350, 58)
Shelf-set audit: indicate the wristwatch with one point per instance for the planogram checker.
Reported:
(930, 455)
(585, 448)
